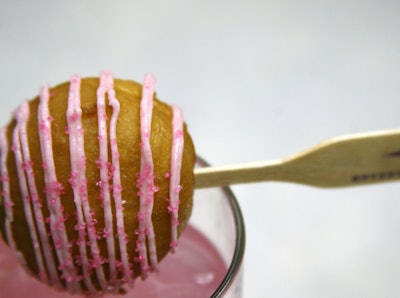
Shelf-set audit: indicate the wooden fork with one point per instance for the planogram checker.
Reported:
(344, 161)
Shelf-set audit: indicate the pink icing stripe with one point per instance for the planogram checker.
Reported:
(23, 115)
(106, 171)
(175, 172)
(117, 189)
(8, 204)
(145, 181)
(78, 184)
(5, 179)
(53, 190)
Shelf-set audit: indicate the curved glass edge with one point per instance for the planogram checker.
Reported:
(238, 255)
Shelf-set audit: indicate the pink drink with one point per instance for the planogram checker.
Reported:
(195, 270)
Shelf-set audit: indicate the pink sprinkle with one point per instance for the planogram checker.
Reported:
(4, 179)
(72, 179)
(9, 204)
(126, 278)
(117, 188)
(149, 200)
(42, 275)
(167, 175)
(83, 161)
(34, 197)
(175, 222)
(141, 215)
(79, 241)
(81, 227)
(58, 243)
(178, 133)
(68, 278)
(27, 165)
(98, 163)
(36, 200)
(74, 116)
(178, 189)
(106, 233)
(78, 260)
(118, 264)
(82, 189)
(55, 188)
(42, 125)
(173, 244)
(121, 231)
(97, 262)
(111, 170)
(172, 209)
(139, 259)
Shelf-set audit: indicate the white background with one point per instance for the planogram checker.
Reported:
(257, 80)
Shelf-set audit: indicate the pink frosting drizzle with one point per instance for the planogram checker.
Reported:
(54, 189)
(4, 177)
(175, 172)
(106, 171)
(145, 181)
(21, 116)
(109, 174)
(78, 182)
(117, 188)
(5, 193)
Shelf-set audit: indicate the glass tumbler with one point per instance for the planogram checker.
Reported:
(207, 262)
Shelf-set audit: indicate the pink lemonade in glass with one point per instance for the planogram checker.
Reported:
(194, 270)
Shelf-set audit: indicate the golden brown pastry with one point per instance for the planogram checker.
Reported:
(96, 182)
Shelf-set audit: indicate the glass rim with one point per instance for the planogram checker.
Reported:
(240, 242)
